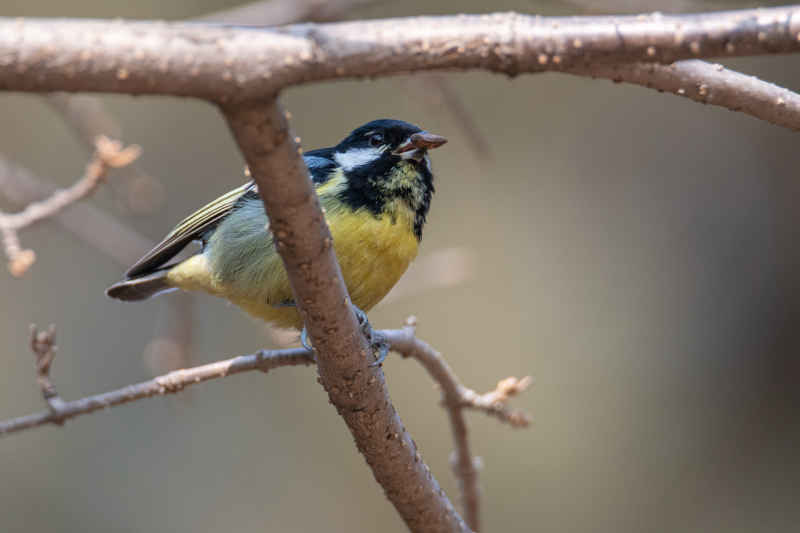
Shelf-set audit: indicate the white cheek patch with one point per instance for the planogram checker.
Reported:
(356, 157)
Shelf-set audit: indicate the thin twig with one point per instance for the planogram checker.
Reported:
(455, 398)
(91, 224)
(108, 154)
(43, 346)
(89, 119)
(169, 383)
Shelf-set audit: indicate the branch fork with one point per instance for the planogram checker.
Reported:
(403, 341)
(236, 68)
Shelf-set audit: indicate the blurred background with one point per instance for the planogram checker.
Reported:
(634, 252)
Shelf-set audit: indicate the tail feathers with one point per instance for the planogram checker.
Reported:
(141, 287)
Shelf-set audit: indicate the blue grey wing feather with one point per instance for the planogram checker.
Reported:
(320, 165)
(194, 227)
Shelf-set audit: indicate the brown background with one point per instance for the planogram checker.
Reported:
(634, 252)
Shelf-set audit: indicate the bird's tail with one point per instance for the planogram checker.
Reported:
(140, 287)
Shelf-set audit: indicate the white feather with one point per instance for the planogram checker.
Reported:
(356, 157)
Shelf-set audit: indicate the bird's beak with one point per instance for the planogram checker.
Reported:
(420, 141)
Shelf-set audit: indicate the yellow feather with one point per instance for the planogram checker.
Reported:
(373, 253)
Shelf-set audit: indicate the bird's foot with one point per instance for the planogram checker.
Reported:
(304, 340)
(377, 341)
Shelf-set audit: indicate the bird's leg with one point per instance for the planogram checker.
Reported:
(377, 341)
(304, 340)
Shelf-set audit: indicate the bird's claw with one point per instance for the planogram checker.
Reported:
(381, 346)
(377, 341)
(304, 340)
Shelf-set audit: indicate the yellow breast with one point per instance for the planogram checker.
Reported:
(373, 252)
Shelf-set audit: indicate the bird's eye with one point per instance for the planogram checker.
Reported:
(376, 139)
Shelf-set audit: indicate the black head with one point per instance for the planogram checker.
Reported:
(386, 160)
(387, 139)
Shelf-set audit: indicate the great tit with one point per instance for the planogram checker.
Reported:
(375, 189)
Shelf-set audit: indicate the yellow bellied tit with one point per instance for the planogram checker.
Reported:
(375, 189)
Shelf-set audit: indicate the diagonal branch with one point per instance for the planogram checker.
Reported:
(96, 227)
(455, 398)
(356, 389)
(108, 154)
(709, 84)
(89, 119)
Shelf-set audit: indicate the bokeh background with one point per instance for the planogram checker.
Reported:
(634, 252)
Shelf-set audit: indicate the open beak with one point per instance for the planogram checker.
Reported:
(420, 141)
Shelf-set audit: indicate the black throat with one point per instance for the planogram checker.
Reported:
(374, 186)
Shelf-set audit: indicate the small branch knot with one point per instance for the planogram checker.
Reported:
(21, 261)
(172, 382)
(43, 346)
(112, 153)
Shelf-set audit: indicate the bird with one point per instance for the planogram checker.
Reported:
(375, 189)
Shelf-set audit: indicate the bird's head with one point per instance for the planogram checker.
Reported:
(385, 161)
(385, 142)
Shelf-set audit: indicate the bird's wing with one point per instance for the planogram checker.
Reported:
(320, 166)
(189, 229)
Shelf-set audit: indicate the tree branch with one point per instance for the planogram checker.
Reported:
(235, 64)
(88, 118)
(43, 346)
(455, 396)
(240, 68)
(108, 154)
(708, 84)
(91, 224)
(169, 383)
(356, 389)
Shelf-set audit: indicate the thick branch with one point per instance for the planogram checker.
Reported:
(226, 64)
(356, 389)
